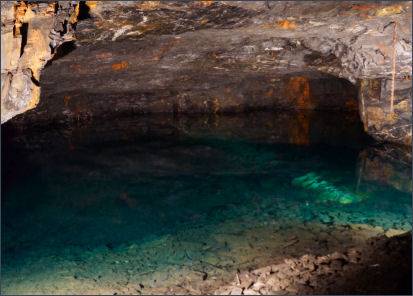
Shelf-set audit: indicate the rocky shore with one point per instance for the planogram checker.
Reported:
(383, 266)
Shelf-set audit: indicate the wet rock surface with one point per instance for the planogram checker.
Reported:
(212, 57)
(380, 267)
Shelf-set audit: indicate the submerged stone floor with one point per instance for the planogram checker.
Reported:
(281, 258)
(230, 215)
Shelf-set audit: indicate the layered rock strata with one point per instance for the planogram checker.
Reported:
(204, 56)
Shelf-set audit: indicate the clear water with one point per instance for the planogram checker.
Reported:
(104, 206)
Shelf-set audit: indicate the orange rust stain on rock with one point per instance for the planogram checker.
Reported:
(206, 2)
(298, 91)
(269, 93)
(92, 4)
(120, 66)
(364, 7)
(203, 3)
(66, 100)
(286, 24)
(300, 131)
(408, 140)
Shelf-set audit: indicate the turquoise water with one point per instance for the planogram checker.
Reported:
(73, 193)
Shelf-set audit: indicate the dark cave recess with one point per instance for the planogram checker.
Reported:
(130, 93)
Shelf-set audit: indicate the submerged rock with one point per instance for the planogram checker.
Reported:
(369, 269)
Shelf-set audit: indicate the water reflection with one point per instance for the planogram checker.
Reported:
(386, 165)
(110, 191)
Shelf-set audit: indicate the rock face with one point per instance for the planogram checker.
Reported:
(211, 57)
(30, 34)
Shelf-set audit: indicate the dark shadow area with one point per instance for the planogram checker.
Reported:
(304, 91)
(389, 270)
(61, 51)
(64, 49)
(381, 267)
(35, 81)
(83, 11)
(385, 268)
(23, 32)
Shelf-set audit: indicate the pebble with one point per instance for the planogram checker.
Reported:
(262, 271)
(236, 291)
(392, 232)
(257, 286)
(250, 292)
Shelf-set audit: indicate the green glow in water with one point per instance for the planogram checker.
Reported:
(327, 192)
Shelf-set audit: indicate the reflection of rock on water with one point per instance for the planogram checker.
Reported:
(386, 165)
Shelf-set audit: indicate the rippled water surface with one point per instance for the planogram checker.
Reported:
(132, 204)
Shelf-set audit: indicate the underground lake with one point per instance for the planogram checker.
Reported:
(154, 203)
(206, 148)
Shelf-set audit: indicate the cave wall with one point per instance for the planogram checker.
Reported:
(30, 34)
(175, 93)
(208, 56)
(381, 120)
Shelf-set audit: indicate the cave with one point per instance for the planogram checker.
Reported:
(206, 147)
